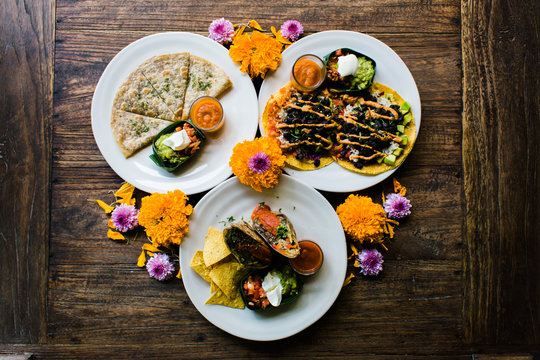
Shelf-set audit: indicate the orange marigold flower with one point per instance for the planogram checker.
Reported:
(165, 217)
(256, 53)
(258, 163)
(362, 219)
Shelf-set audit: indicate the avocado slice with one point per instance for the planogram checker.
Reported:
(405, 139)
(400, 128)
(405, 107)
(407, 118)
(390, 159)
(398, 151)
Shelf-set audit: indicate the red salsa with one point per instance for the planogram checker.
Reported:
(309, 260)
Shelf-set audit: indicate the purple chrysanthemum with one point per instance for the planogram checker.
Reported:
(370, 262)
(221, 30)
(260, 162)
(160, 267)
(125, 217)
(397, 206)
(291, 30)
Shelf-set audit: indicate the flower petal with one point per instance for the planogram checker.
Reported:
(108, 209)
(281, 39)
(142, 260)
(348, 279)
(115, 235)
(179, 275)
(150, 247)
(125, 191)
(255, 25)
(110, 223)
(398, 188)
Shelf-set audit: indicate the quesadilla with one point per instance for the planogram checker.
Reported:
(137, 95)
(168, 75)
(133, 131)
(205, 78)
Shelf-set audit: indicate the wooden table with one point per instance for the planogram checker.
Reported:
(461, 276)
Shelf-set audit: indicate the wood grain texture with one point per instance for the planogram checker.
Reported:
(501, 158)
(26, 75)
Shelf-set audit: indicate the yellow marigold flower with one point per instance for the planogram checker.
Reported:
(165, 217)
(256, 53)
(362, 219)
(258, 163)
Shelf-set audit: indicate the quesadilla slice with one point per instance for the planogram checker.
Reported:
(304, 126)
(137, 95)
(377, 131)
(205, 78)
(168, 75)
(133, 131)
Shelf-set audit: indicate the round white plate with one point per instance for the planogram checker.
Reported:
(313, 218)
(391, 71)
(211, 165)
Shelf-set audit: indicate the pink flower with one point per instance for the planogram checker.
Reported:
(397, 206)
(160, 267)
(125, 217)
(221, 30)
(259, 163)
(370, 262)
(291, 30)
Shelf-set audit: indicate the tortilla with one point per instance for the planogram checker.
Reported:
(132, 131)
(219, 298)
(214, 249)
(197, 264)
(205, 78)
(137, 95)
(410, 131)
(270, 120)
(168, 74)
(227, 275)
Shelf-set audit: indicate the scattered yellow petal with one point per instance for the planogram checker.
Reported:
(108, 209)
(125, 191)
(110, 223)
(348, 279)
(281, 39)
(398, 188)
(383, 198)
(255, 25)
(127, 201)
(240, 31)
(356, 263)
(115, 235)
(354, 249)
(149, 253)
(142, 260)
(179, 275)
(384, 246)
(150, 247)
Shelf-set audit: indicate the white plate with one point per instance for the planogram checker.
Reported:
(209, 167)
(391, 71)
(313, 218)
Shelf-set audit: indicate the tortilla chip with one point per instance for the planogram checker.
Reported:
(215, 248)
(226, 276)
(213, 286)
(219, 298)
(197, 264)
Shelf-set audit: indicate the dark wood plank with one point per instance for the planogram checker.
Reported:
(501, 161)
(411, 296)
(26, 72)
(434, 16)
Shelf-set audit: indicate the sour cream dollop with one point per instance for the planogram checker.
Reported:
(272, 287)
(347, 65)
(178, 141)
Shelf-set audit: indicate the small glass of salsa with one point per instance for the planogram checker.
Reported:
(308, 72)
(206, 113)
(310, 259)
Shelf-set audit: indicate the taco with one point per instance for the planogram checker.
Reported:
(377, 131)
(303, 124)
